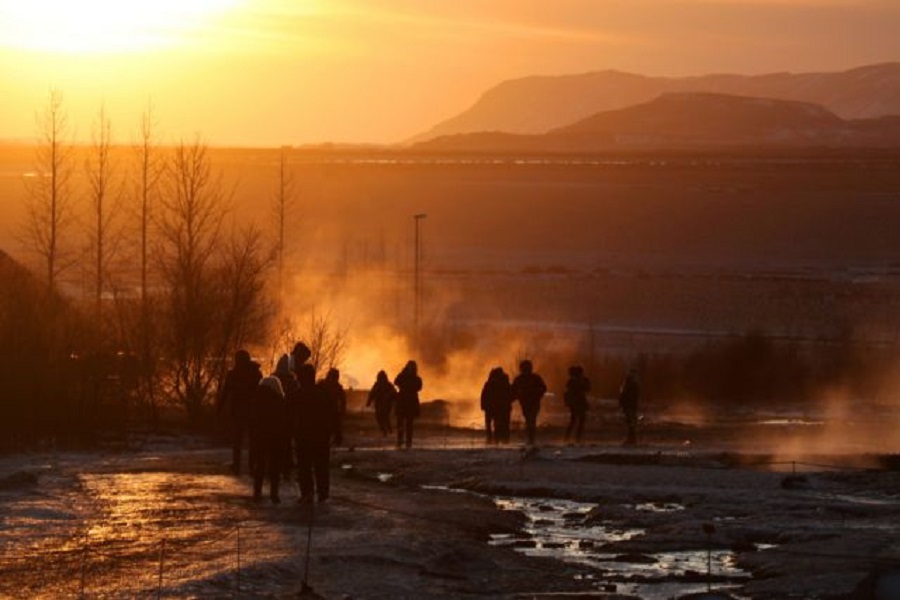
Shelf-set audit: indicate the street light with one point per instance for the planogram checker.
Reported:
(417, 258)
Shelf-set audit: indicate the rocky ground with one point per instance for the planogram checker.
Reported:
(160, 516)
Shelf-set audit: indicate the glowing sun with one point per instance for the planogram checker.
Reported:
(103, 26)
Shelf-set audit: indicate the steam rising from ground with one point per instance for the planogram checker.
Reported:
(373, 312)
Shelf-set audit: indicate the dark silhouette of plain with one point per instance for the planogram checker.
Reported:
(575, 398)
(269, 431)
(409, 384)
(496, 402)
(629, 396)
(528, 389)
(236, 399)
(383, 395)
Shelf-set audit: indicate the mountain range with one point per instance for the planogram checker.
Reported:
(691, 121)
(831, 108)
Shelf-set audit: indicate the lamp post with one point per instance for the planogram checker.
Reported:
(417, 288)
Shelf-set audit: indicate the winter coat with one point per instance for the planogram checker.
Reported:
(269, 415)
(575, 396)
(239, 390)
(383, 395)
(528, 389)
(497, 394)
(318, 416)
(409, 384)
(628, 395)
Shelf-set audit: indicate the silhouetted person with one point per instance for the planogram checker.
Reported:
(383, 395)
(629, 395)
(317, 427)
(289, 385)
(409, 384)
(528, 389)
(299, 355)
(331, 384)
(496, 402)
(235, 399)
(268, 432)
(575, 397)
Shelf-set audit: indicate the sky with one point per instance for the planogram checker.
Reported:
(290, 72)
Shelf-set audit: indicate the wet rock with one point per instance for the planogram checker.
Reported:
(795, 482)
(19, 479)
(743, 546)
(878, 585)
(554, 545)
(634, 558)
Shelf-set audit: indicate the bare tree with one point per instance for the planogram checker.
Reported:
(101, 172)
(49, 205)
(282, 209)
(150, 167)
(243, 310)
(326, 339)
(214, 278)
(190, 225)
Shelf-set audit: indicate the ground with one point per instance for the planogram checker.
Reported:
(161, 516)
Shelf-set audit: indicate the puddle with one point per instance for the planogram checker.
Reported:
(557, 529)
(658, 507)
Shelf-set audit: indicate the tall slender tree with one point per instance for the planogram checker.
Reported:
(282, 211)
(49, 201)
(101, 171)
(213, 277)
(150, 166)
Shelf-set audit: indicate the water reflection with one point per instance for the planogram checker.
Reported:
(559, 529)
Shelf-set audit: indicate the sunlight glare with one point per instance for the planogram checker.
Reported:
(103, 26)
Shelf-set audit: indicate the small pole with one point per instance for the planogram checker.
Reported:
(709, 529)
(305, 584)
(162, 555)
(84, 551)
(417, 288)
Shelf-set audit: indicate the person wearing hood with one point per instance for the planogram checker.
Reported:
(337, 397)
(289, 385)
(496, 402)
(629, 395)
(299, 355)
(528, 389)
(268, 432)
(409, 384)
(317, 427)
(575, 398)
(383, 395)
(235, 400)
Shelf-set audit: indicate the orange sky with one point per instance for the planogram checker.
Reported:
(271, 72)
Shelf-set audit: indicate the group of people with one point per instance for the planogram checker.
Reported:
(292, 420)
(400, 397)
(499, 393)
(289, 418)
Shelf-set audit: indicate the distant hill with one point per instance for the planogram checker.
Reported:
(693, 120)
(538, 104)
